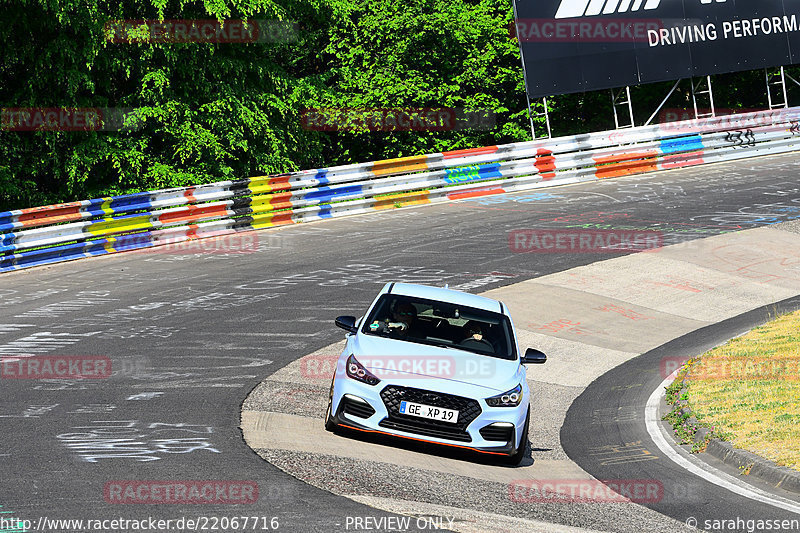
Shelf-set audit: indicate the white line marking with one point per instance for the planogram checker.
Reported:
(697, 467)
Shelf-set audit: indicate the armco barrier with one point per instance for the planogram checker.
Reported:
(73, 230)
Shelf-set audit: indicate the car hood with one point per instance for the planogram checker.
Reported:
(416, 365)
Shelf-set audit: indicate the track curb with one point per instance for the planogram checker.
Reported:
(764, 469)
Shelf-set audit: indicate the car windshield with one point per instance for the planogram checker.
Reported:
(441, 324)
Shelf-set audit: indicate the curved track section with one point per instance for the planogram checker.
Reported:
(588, 319)
(625, 390)
(188, 336)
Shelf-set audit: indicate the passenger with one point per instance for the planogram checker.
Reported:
(404, 316)
(400, 321)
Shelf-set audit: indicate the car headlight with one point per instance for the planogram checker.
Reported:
(510, 398)
(356, 371)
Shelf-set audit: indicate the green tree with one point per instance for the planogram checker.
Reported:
(209, 112)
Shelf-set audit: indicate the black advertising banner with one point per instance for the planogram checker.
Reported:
(573, 46)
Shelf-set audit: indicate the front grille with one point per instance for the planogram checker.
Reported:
(468, 410)
(361, 410)
(497, 433)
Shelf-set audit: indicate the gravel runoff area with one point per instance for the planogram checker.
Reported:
(311, 401)
(792, 225)
(483, 506)
(410, 486)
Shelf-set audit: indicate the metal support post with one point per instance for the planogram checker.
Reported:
(663, 102)
(619, 99)
(698, 91)
(776, 88)
(540, 114)
(792, 79)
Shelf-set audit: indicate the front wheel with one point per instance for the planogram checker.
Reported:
(330, 425)
(516, 458)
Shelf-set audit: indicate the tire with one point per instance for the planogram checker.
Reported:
(330, 425)
(516, 458)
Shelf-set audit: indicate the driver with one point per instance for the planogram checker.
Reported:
(475, 337)
(473, 330)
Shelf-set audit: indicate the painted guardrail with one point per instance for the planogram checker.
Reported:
(49, 234)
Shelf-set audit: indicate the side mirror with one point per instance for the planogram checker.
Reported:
(347, 323)
(533, 357)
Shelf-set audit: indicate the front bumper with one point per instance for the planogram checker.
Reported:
(381, 422)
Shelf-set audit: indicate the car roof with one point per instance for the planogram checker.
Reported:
(445, 295)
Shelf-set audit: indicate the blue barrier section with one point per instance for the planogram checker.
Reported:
(692, 143)
(326, 194)
(476, 173)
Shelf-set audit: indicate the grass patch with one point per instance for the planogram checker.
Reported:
(684, 424)
(749, 391)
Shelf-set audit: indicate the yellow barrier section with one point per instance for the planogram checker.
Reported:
(401, 200)
(400, 165)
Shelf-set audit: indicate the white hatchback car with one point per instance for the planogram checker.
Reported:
(435, 365)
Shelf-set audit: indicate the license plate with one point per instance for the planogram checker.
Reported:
(429, 412)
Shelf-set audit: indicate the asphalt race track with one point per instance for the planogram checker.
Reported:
(190, 333)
